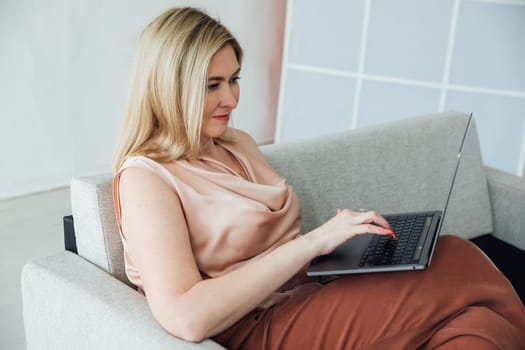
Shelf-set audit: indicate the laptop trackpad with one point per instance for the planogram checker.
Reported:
(347, 256)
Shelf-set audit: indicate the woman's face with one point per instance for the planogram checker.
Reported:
(222, 92)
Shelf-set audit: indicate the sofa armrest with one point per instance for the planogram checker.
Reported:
(69, 303)
(507, 197)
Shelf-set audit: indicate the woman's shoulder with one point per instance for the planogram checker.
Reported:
(246, 145)
(241, 137)
(142, 170)
(242, 141)
(144, 164)
(140, 161)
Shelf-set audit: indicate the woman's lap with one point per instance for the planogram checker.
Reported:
(460, 294)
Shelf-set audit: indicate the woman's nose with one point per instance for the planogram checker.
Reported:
(230, 97)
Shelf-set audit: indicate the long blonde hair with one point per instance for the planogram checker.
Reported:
(163, 113)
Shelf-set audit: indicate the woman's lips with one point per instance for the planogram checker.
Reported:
(223, 118)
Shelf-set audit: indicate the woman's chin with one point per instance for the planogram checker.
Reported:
(216, 132)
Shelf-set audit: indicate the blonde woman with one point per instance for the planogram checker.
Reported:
(211, 231)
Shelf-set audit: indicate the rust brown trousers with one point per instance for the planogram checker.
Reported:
(460, 302)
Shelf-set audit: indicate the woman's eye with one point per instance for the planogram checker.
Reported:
(234, 80)
(215, 86)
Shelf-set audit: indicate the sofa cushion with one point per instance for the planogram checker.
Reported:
(96, 230)
(402, 166)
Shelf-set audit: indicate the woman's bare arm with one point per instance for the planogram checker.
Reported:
(181, 301)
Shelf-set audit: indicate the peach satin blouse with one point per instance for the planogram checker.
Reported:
(231, 221)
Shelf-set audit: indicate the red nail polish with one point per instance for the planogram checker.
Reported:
(390, 233)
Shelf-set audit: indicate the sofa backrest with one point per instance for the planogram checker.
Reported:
(395, 167)
(401, 166)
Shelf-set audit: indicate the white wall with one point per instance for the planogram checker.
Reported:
(363, 62)
(64, 68)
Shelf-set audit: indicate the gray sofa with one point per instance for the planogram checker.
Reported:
(84, 301)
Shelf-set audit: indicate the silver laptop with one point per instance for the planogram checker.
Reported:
(413, 248)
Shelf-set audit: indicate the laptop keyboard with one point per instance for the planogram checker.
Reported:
(406, 249)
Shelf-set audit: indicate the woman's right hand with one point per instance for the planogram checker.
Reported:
(345, 225)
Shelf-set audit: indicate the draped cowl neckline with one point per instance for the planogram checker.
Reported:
(230, 221)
